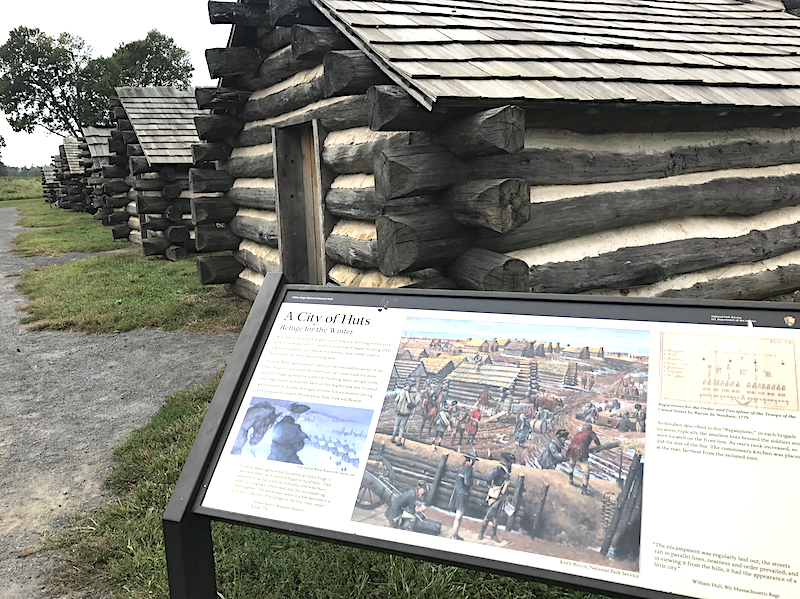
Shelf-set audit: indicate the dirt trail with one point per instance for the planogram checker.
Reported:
(67, 400)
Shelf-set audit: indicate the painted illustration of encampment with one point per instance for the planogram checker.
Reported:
(523, 436)
(320, 435)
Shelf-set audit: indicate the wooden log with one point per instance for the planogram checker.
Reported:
(272, 39)
(756, 286)
(173, 173)
(176, 253)
(437, 479)
(350, 72)
(482, 269)
(414, 171)
(237, 13)
(262, 198)
(248, 225)
(245, 288)
(134, 150)
(285, 100)
(212, 210)
(391, 108)
(174, 190)
(113, 172)
(256, 166)
(312, 43)
(409, 243)
(129, 137)
(516, 503)
(177, 234)
(494, 131)
(537, 518)
(212, 238)
(216, 270)
(154, 245)
(501, 205)
(155, 224)
(590, 213)
(118, 159)
(205, 180)
(633, 473)
(139, 184)
(644, 265)
(139, 164)
(117, 218)
(217, 127)
(115, 186)
(352, 252)
(361, 203)
(121, 231)
(629, 507)
(235, 60)
(292, 12)
(119, 112)
(356, 158)
(256, 134)
(260, 258)
(124, 125)
(220, 98)
(157, 205)
(277, 67)
(209, 152)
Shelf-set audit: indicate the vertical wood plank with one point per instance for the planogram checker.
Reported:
(325, 220)
(290, 204)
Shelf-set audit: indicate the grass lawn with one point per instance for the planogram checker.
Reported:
(119, 549)
(120, 291)
(60, 231)
(20, 188)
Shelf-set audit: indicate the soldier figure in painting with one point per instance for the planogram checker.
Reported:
(463, 484)
(578, 453)
(460, 416)
(498, 482)
(472, 425)
(406, 502)
(522, 430)
(443, 422)
(552, 454)
(406, 401)
(640, 416)
(288, 438)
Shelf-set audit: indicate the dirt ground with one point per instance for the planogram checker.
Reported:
(67, 400)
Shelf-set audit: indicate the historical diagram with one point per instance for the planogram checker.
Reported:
(528, 437)
(324, 436)
(751, 372)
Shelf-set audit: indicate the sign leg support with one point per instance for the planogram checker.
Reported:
(190, 558)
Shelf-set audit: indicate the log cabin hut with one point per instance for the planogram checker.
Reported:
(157, 132)
(50, 184)
(647, 149)
(97, 139)
(71, 174)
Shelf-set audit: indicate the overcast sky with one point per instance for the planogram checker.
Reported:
(104, 26)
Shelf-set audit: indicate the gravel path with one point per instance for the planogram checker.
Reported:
(66, 399)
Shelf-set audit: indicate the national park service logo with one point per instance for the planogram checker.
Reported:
(790, 320)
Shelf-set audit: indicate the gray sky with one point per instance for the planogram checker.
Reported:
(104, 26)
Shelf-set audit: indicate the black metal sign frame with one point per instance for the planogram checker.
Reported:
(186, 524)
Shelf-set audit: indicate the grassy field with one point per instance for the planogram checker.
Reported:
(20, 188)
(60, 231)
(120, 291)
(119, 549)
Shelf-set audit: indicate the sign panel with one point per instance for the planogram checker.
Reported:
(516, 434)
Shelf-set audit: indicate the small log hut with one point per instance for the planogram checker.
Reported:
(50, 184)
(97, 139)
(618, 149)
(71, 174)
(156, 129)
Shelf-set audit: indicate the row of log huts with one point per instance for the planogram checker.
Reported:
(593, 147)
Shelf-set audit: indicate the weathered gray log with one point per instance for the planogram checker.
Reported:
(212, 210)
(216, 270)
(633, 474)
(237, 13)
(537, 518)
(270, 39)
(353, 252)
(292, 12)
(129, 137)
(139, 164)
(362, 203)
(312, 43)
(115, 201)
(211, 238)
(154, 245)
(176, 253)
(206, 180)
(582, 215)
(124, 125)
(644, 265)
(121, 231)
(255, 261)
(139, 184)
(258, 167)
(119, 112)
(501, 205)
(173, 173)
(494, 131)
(115, 186)
(172, 191)
(116, 134)
(245, 289)
(114, 172)
(174, 212)
(358, 158)
(222, 98)
(157, 205)
(210, 152)
(155, 224)
(256, 135)
(413, 171)
(256, 229)
(236, 60)
(348, 112)
(117, 218)
(134, 150)
(262, 198)
(118, 159)
(484, 270)
(217, 127)
(284, 100)
(350, 72)
(116, 146)
(277, 67)
(409, 243)
(757, 286)
(177, 234)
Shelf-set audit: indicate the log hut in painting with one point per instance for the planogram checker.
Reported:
(509, 147)
(155, 133)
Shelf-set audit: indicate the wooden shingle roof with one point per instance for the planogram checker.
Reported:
(163, 119)
(484, 374)
(710, 52)
(97, 138)
(72, 151)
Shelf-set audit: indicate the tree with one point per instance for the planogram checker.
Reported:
(55, 83)
(2, 166)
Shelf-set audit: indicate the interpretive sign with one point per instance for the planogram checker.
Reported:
(509, 432)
